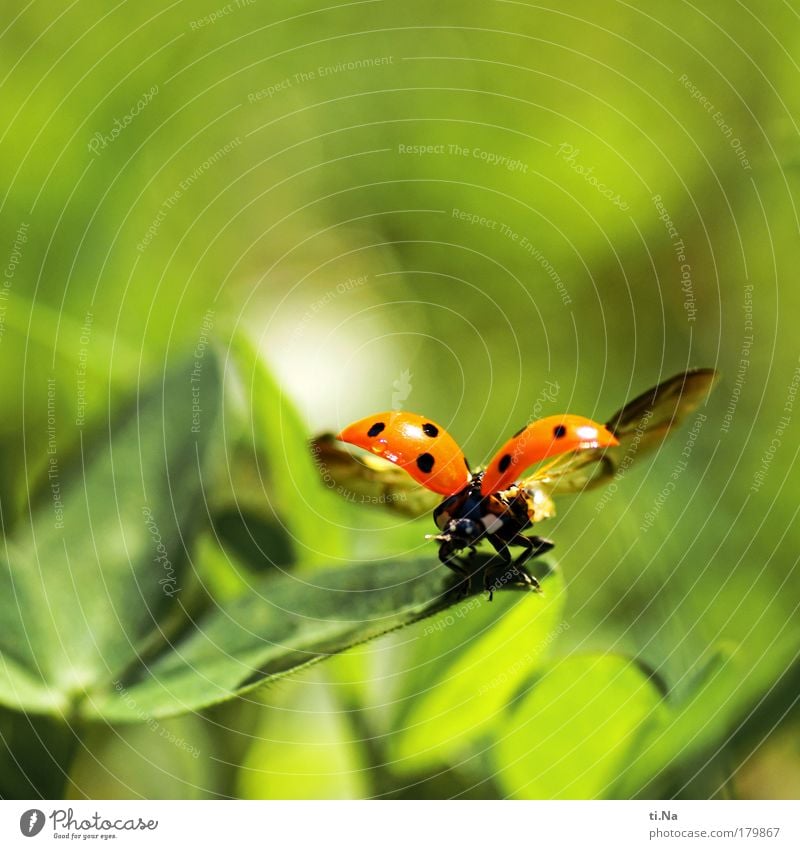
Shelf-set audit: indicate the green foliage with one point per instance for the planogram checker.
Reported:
(123, 563)
(282, 622)
(465, 670)
(305, 748)
(98, 570)
(570, 736)
(666, 644)
(270, 482)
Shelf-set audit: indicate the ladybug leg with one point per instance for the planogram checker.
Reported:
(447, 555)
(533, 547)
(491, 581)
(515, 570)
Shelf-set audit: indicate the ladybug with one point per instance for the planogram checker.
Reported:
(413, 465)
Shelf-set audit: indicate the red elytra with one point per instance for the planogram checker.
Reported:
(432, 457)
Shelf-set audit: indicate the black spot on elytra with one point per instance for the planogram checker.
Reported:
(505, 462)
(376, 429)
(430, 429)
(559, 431)
(425, 462)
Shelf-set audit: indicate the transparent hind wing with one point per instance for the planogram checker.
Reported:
(368, 479)
(640, 426)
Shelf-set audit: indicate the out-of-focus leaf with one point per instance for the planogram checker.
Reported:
(465, 666)
(86, 582)
(772, 771)
(304, 748)
(570, 736)
(282, 623)
(707, 709)
(35, 755)
(219, 573)
(270, 478)
(260, 542)
(44, 347)
(157, 760)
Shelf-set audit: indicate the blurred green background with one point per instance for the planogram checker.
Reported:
(449, 208)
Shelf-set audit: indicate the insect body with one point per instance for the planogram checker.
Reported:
(466, 518)
(498, 504)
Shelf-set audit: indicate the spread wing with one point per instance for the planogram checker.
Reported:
(370, 479)
(640, 426)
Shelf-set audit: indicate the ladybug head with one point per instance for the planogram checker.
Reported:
(460, 533)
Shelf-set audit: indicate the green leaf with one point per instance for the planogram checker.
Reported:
(219, 572)
(272, 485)
(35, 755)
(83, 363)
(703, 713)
(465, 666)
(84, 584)
(304, 748)
(158, 760)
(282, 623)
(571, 735)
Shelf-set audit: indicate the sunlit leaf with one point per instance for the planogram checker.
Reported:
(464, 667)
(304, 747)
(570, 736)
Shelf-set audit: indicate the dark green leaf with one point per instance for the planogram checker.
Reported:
(88, 579)
(35, 755)
(282, 623)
